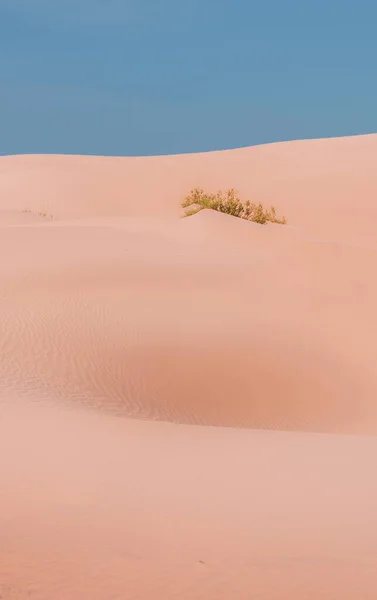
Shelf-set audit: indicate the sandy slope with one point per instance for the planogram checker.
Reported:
(103, 508)
(117, 304)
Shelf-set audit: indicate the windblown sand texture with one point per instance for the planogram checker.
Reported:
(210, 332)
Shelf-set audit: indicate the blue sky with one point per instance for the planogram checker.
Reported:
(140, 77)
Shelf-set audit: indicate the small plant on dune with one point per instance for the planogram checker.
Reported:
(40, 213)
(45, 215)
(230, 204)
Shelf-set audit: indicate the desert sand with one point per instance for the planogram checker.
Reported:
(188, 407)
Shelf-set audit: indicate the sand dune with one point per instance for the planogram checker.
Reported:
(204, 320)
(325, 186)
(110, 301)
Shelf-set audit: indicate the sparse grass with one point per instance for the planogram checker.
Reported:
(40, 213)
(230, 203)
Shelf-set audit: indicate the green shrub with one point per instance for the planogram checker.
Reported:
(231, 204)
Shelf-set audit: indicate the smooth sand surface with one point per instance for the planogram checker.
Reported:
(116, 307)
(102, 508)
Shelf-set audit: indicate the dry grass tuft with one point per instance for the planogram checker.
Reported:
(230, 203)
(40, 213)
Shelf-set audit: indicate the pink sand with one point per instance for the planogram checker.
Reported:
(118, 308)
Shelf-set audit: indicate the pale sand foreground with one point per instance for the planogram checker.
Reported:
(98, 507)
(118, 305)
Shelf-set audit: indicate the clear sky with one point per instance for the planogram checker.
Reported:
(139, 77)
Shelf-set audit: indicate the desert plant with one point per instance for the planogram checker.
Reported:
(40, 213)
(230, 204)
(45, 215)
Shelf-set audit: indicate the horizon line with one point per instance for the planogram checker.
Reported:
(288, 141)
